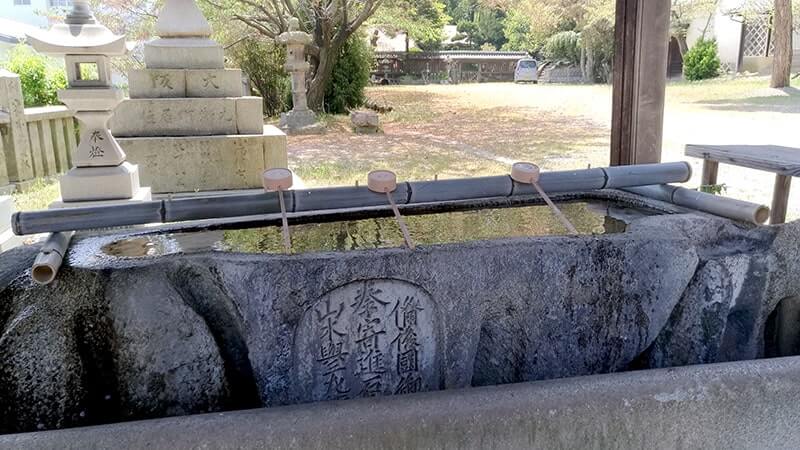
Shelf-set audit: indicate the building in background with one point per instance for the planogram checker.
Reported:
(33, 12)
(745, 44)
(11, 34)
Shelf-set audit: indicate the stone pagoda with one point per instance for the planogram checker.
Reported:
(187, 122)
(300, 120)
(101, 174)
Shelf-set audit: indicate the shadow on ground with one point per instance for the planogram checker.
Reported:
(786, 100)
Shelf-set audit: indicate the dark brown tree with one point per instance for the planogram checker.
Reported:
(330, 22)
(782, 35)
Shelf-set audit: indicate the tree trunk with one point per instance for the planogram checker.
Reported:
(683, 46)
(782, 33)
(322, 75)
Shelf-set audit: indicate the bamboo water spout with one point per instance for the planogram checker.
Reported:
(700, 201)
(48, 262)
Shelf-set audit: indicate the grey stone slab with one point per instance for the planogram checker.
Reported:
(214, 83)
(206, 162)
(175, 117)
(184, 53)
(157, 83)
(250, 115)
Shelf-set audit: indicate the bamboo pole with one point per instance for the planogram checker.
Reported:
(50, 258)
(219, 207)
(700, 201)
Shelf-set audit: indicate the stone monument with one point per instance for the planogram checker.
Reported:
(187, 122)
(101, 173)
(300, 120)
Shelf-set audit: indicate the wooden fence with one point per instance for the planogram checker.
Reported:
(34, 142)
(450, 66)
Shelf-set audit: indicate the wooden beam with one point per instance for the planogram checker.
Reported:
(639, 81)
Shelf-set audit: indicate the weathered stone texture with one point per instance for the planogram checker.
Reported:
(175, 117)
(157, 83)
(207, 163)
(196, 333)
(214, 83)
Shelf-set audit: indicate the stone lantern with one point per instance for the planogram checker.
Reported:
(101, 174)
(300, 119)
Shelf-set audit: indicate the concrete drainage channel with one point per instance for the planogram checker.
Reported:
(751, 404)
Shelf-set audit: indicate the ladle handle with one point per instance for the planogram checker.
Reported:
(555, 209)
(400, 221)
(287, 240)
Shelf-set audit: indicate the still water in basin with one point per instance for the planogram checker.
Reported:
(589, 217)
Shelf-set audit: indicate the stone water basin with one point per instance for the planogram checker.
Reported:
(141, 334)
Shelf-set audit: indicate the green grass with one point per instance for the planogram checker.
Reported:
(717, 89)
(38, 196)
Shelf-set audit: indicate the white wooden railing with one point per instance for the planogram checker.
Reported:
(34, 142)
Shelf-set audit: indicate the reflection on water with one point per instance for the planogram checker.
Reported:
(589, 217)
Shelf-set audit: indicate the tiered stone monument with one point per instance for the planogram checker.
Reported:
(187, 123)
(101, 173)
(300, 120)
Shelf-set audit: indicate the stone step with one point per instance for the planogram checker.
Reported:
(179, 83)
(206, 163)
(179, 117)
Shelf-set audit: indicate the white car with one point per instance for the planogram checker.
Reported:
(527, 71)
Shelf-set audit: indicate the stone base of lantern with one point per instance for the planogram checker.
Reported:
(301, 122)
(83, 184)
(206, 163)
(143, 195)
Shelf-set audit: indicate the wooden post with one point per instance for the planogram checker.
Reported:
(710, 172)
(36, 149)
(17, 148)
(780, 199)
(60, 145)
(639, 81)
(46, 135)
(3, 170)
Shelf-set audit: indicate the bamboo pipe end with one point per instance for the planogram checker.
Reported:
(277, 180)
(382, 181)
(46, 267)
(762, 214)
(524, 172)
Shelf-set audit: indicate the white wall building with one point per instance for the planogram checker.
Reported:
(33, 12)
(743, 46)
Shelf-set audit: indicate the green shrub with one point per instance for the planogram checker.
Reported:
(563, 46)
(263, 62)
(701, 61)
(41, 77)
(350, 76)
